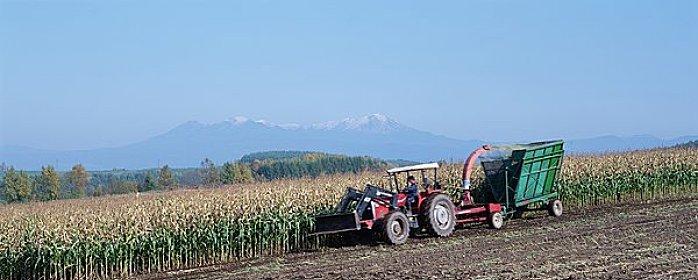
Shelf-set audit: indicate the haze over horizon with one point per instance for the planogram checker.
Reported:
(372, 135)
(239, 119)
(92, 74)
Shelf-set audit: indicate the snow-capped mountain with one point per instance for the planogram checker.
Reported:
(376, 123)
(242, 120)
(370, 123)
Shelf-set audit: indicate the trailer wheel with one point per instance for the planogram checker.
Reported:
(395, 228)
(555, 208)
(439, 215)
(496, 220)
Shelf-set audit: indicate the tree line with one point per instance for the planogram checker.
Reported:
(313, 165)
(50, 184)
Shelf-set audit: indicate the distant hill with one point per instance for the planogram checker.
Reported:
(372, 135)
(689, 144)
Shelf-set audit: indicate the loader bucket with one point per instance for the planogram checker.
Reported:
(328, 224)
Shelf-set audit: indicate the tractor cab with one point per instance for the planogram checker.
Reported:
(427, 173)
(427, 178)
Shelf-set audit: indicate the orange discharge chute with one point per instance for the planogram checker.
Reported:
(470, 162)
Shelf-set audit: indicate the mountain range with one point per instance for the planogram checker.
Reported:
(373, 135)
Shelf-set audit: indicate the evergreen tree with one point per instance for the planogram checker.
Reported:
(235, 173)
(209, 173)
(78, 178)
(48, 185)
(148, 183)
(165, 179)
(228, 173)
(18, 186)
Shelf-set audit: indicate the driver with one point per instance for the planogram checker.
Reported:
(411, 190)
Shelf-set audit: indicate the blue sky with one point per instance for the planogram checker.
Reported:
(85, 74)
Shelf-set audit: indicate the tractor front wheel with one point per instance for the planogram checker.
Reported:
(555, 208)
(395, 228)
(496, 220)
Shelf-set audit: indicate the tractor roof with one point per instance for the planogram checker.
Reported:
(424, 166)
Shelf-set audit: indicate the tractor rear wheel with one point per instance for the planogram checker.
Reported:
(439, 215)
(395, 228)
(496, 220)
(555, 208)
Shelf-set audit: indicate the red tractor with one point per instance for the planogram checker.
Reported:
(388, 213)
(517, 177)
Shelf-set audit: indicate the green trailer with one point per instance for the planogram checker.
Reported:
(518, 176)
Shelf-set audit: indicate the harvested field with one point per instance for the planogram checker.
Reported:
(649, 241)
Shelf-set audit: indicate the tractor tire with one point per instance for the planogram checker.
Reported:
(496, 220)
(395, 228)
(555, 208)
(439, 216)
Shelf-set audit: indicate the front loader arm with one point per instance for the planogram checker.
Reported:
(352, 194)
(372, 192)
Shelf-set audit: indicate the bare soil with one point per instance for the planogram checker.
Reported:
(634, 241)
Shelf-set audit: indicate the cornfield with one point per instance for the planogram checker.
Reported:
(126, 235)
